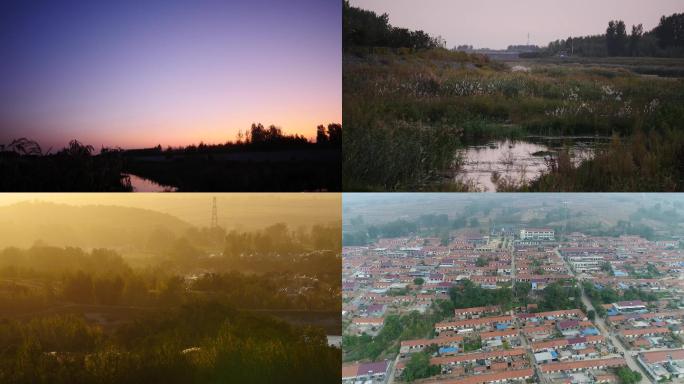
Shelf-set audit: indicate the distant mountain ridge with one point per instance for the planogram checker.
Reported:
(25, 223)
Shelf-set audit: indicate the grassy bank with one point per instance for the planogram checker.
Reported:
(408, 112)
(642, 162)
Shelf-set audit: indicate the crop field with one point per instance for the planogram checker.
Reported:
(410, 115)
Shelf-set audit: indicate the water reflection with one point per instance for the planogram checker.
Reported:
(519, 160)
(141, 184)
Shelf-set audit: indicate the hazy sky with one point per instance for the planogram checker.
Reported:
(500, 23)
(136, 73)
(234, 210)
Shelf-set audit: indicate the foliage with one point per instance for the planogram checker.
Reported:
(396, 328)
(640, 162)
(366, 28)
(627, 376)
(591, 314)
(670, 31)
(521, 290)
(407, 118)
(25, 167)
(198, 343)
(467, 295)
(255, 161)
(616, 38)
(472, 345)
(419, 367)
(558, 296)
(665, 40)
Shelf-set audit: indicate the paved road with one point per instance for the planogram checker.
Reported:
(530, 354)
(523, 337)
(603, 328)
(392, 370)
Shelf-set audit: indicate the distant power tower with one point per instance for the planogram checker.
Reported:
(214, 214)
(528, 39)
(567, 214)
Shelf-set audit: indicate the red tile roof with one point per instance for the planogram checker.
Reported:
(583, 364)
(477, 356)
(469, 322)
(438, 341)
(491, 377)
(661, 356)
(645, 331)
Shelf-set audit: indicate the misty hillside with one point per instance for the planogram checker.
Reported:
(24, 224)
(600, 214)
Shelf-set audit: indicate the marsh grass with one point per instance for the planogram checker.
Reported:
(642, 162)
(408, 112)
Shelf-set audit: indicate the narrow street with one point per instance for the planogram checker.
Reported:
(392, 370)
(603, 328)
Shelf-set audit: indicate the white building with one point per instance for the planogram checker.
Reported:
(546, 234)
(586, 262)
(629, 306)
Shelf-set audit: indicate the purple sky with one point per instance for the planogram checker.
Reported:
(500, 23)
(139, 73)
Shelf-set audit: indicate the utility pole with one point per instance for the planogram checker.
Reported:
(572, 47)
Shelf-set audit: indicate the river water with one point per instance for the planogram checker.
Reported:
(141, 184)
(519, 160)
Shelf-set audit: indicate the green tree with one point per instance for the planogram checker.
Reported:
(108, 291)
(635, 39)
(418, 281)
(591, 315)
(79, 287)
(521, 289)
(616, 38)
(627, 376)
(419, 367)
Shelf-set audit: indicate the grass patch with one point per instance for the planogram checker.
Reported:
(407, 112)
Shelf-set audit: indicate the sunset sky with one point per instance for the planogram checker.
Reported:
(141, 73)
(499, 23)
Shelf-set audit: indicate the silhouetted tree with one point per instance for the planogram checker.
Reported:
(335, 134)
(321, 136)
(365, 28)
(616, 38)
(635, 39)
(670, 31)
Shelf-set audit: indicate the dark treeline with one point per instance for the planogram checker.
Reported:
(427, 224)
(665, 40)
(196, 343)
(555, 296)
(284, 270)
(25, 166)
(362, 28)
(257, 137)
(276, 290)
(313, 250)
(261, 159)
(247, 164)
